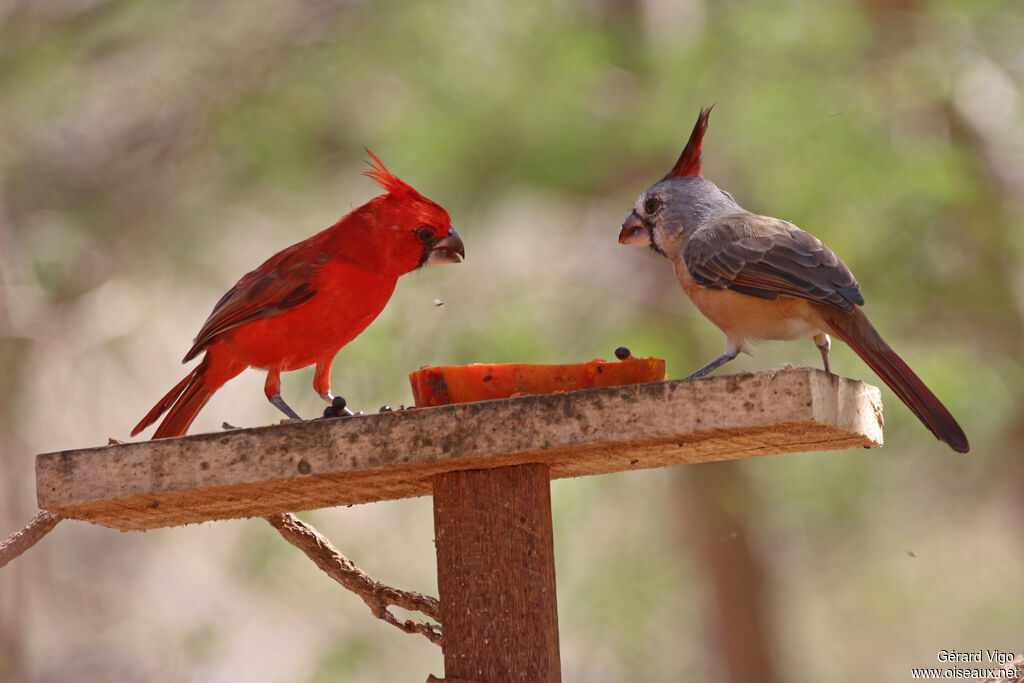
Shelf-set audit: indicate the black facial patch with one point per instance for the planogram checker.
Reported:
(654, 239)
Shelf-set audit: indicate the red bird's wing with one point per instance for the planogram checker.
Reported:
(284, 281)
(769, 258)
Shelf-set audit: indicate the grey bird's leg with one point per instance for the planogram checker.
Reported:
(729, 354)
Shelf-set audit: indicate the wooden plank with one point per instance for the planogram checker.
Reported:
(266, 470)
(496, 574)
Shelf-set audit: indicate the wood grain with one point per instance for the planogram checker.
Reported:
(268, 470)
(496, 574)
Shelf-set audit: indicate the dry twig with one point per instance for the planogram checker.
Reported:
(377, 596)
(21, 541)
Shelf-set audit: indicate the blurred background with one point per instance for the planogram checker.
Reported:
(151, 153)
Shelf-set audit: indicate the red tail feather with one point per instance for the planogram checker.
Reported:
(857, 331)
(689, 161)
(185, 400)
(166, 402)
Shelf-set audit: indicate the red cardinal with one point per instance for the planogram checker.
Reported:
(758, 278)
(306, 302)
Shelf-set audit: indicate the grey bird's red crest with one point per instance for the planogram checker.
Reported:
(688, 165)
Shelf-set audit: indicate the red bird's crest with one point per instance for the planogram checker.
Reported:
(385, 179)
(404, 201)
(688, 165)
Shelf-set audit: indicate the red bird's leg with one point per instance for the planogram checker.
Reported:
(322, 380)
(716, 363)
(824, 343)
(322, 386)
(272, 389)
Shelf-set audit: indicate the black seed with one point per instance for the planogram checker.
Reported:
(330, 412)
(338, 403)
(622, 353)
(384, 409)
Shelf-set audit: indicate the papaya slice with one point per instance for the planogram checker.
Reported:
(482, 382)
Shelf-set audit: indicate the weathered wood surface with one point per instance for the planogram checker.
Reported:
(266, 470)
(496, 574)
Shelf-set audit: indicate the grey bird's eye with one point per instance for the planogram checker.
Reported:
(651, 205)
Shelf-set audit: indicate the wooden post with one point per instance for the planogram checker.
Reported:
(496, 574)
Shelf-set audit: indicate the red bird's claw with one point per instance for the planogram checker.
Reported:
(338, 408)
(332, 411)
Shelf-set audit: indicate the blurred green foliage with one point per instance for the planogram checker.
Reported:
(151, 153)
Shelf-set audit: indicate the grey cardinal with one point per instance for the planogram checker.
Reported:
(759, 278)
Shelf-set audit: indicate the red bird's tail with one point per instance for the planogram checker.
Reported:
(855, 329)
(183, 402)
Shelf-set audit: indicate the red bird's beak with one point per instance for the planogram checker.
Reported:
(448, 249)
(635, 232)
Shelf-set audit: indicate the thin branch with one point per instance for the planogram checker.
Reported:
(377, 596)
(22, 540)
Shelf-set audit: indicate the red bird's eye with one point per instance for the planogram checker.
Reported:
(425, 233)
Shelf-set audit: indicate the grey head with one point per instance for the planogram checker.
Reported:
(669, 212)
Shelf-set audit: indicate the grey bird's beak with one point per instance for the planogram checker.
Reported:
(448, 249)
(635, 232)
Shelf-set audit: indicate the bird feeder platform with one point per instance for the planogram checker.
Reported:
(487, 464)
